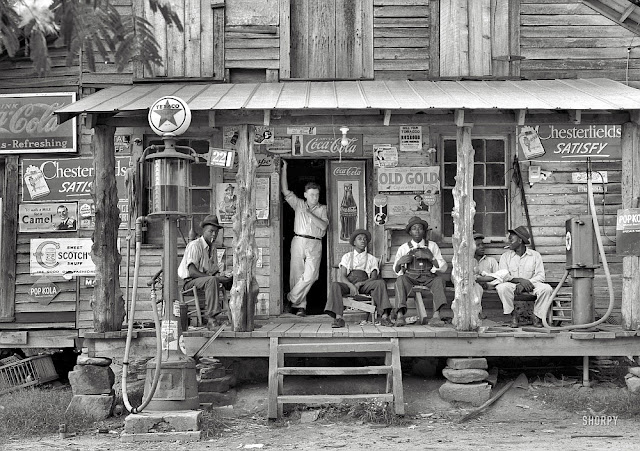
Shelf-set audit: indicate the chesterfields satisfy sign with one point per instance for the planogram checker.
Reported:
(28, 125)
(570, 142)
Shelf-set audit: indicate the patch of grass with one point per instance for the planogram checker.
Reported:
(212, 424)
(37, 411)
(595, 401)
(373, 411)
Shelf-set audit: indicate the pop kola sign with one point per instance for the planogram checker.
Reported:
(28, 125)
(570, 142)
(67, 257)
(326, 146)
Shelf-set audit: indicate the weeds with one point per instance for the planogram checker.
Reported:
(373, 411)
(36, 412)
(600, 401)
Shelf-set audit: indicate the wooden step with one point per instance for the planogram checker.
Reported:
(334, 371)
(561, 318)
(345, 348)
(329, 399)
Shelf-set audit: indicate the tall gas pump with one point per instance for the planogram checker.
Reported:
(170, 383)
(581, 262)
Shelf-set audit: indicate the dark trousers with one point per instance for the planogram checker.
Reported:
(406, 282)
(209, 285)
(377, 288)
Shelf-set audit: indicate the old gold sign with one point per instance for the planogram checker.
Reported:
(413, 179)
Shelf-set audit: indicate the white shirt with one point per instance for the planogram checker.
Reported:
(197, 252)
(363, 261)
(302, 224)
(433, 247)
(528, 266)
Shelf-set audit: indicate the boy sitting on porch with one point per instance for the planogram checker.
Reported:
(417, 263)
(486, 273)
(199, 268)
(358, 273)
(525, 274)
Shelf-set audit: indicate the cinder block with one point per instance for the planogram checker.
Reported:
(163, 422)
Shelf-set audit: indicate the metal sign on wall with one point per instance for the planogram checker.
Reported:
(409, 180)
(570, 142)
(60, 179)
(68, 257)
(628, 232)
(48, 217)
(326, 146)
(28, 125)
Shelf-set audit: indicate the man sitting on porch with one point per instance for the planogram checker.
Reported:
(487, 274)
(417, 263)
(358, 273)
(199, 268)
(525, 274)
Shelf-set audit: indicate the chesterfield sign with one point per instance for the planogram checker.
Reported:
(28, 125)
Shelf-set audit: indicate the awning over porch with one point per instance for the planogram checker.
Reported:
(580, 94)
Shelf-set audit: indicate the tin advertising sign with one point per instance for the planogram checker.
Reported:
(326, 146)
(67, 257)
(628, 232)
(570, 142)
(28, 125)
(409, 180)
(63, 179)
(48, 217)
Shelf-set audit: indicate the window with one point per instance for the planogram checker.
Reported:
(490, 186)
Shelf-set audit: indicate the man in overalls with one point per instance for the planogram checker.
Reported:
(414, 269)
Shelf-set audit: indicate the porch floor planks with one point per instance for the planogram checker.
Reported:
(295, 330)
(310, 331)
(263, 331)
(280, 329)
(325, 330)
(355, 331)
(371, 330)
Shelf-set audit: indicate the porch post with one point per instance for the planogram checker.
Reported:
(245, 286)
(108, 304)
(9, 239)
(466, 305)
(630, 199)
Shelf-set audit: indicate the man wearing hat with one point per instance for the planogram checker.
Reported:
(419, 271)
(524, 274)
(199, 267)
(358, 273)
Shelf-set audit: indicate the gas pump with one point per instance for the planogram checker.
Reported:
(581, 261)
(170, 383)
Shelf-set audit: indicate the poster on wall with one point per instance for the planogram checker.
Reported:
(326, 146)
(417, 180)
(385, 156)
(570, 142)
(348, 209)
(48, 217)
(67, 257)
(263, 135)
(87, 214)
(262, 198)
(226, 198)
(65, 179)
(28, 125)
(410, 138)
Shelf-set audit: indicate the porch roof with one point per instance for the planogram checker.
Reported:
(576, 94)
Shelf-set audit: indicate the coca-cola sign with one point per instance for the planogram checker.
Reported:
(28, 125)
(329, 146)
(347, 171)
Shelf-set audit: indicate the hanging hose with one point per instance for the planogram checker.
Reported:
(605, 266)
(156, 321)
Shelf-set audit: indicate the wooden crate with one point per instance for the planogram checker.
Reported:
(26, 372)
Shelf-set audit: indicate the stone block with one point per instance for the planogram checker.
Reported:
(163, 422)
(219, 385)
(91, 380)
(635, 370)
(493, 376)
(218, 399)
(212, 372)
(470, 363)
(209, 361)
(95, 407)
(476, 393)
(98, 361)
(465, 376)
(633, 383)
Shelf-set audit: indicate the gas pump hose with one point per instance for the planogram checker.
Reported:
(605, 266)
(156, 320)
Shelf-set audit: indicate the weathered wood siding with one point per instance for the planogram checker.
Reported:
(401, 38)
(568, 39)
(17, 74)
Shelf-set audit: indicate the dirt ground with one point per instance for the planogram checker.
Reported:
(518, 420)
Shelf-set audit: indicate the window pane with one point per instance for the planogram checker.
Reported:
(449, 174)
(495, 224)
(479, 199)
(495, 201)
(478, 174)
(478, 146)
(200, 174)
(495, 174)
(495, 150)
(201, 201)
(201, 147)
(447, 225)
(447, 201)
(450, 154)
(478, 223)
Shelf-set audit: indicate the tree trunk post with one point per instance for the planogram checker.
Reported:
(466, 305)
(245, 286)
(630, 196)
(107, 304)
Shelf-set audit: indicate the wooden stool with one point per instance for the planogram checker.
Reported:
(417, 291)
(523, 306)
(191, 298)
(363, 303)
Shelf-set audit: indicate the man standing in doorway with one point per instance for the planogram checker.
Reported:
(310, 225)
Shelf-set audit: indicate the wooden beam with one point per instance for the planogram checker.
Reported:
(627, 12)
(387, 117)
(212, 118)
(285, 38)
(466, 305)
(108, 305)
(612, 14)
(575, 116)
(630, 194)
(520, 117)
(267, 118)
(8, 239)
(458, 118)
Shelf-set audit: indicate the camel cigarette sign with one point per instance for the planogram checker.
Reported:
(28, 125)
(67, 257)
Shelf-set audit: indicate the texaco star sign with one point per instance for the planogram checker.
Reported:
(169, 115)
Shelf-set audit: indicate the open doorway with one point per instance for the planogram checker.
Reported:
(300, 173)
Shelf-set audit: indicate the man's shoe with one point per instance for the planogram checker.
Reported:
(400, 321)
(301, 312)
(514, 321)
(385, 321)
(337, 323)
(287, 307)
(537, 322)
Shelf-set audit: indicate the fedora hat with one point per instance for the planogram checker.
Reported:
(416, 220)
(357, 232)
(478, 236)
(522, 232)
(211, 220)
